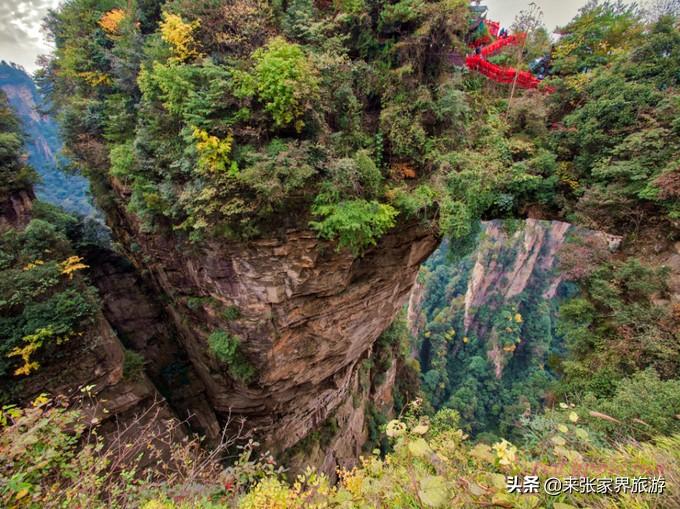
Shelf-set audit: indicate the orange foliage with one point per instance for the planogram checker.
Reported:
(110, 22)
(404, 170)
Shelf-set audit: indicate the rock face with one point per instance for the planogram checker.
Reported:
(414, 317)
(15, 209)
(307, 314)
(507, 266)
(508, 275)
(143, 327)
(528, 252)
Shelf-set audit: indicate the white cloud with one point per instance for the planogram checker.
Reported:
(21, 38)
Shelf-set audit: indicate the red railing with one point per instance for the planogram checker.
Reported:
(499, 44)
(525, 79)
(478, 62)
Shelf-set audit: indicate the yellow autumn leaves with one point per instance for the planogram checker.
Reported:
(179, 36)
(67, 268)
(174, 31)
(33, 342)
(506, 453)
(110, 22)
(213, 152)
(71, 265)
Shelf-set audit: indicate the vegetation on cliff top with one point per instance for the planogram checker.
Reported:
(232, 120)
(211, 119)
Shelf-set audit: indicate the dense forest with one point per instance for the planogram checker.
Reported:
(488, 341)
(210, 123)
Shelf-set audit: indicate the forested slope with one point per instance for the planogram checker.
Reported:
(278, 171)
(43, 144)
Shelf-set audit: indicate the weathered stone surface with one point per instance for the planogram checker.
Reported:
(143, 327)
(535, 246)
(505, 266)
(414, 316)
(15, 209)
(308, 313)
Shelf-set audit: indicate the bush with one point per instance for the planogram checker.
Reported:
(356, 224)
(644, 405)
(399, 13)
(43, 302)
(227, 349)
(231, 313)
(285, 81)
(412, 203)
(122, 159)
(133, 365)
(369, 174)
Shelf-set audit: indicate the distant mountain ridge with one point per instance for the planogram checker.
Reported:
(43, 144)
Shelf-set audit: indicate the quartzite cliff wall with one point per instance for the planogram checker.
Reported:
(307, 315)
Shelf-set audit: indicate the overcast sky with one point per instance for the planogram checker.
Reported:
(21, 40)
(555, 12)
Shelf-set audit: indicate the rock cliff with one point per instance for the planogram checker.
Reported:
(506, 265)
(43, 145)
(305, 315)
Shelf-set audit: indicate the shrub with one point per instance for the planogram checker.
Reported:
(643, 405)
(404, 131)
(231, 313)
(227, 349)
(356, 224)
(133, 365)
(213, 152)
(370, 175)
(402, 12)
(43, 301)
(122, 157)
(414, 202)
(285, 81)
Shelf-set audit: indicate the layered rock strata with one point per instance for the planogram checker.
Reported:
(304, 313)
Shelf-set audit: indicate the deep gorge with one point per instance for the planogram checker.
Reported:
(333, 249)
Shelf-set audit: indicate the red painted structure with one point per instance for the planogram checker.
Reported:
(479, 63)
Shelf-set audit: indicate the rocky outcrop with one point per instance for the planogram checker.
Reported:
(505, 266)
(304, 313)
(143, 327)
(307, 314)
(15, 209)
(414, 317)
(511, 272)
(100, 368)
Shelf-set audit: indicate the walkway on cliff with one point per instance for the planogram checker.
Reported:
(487, 43)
